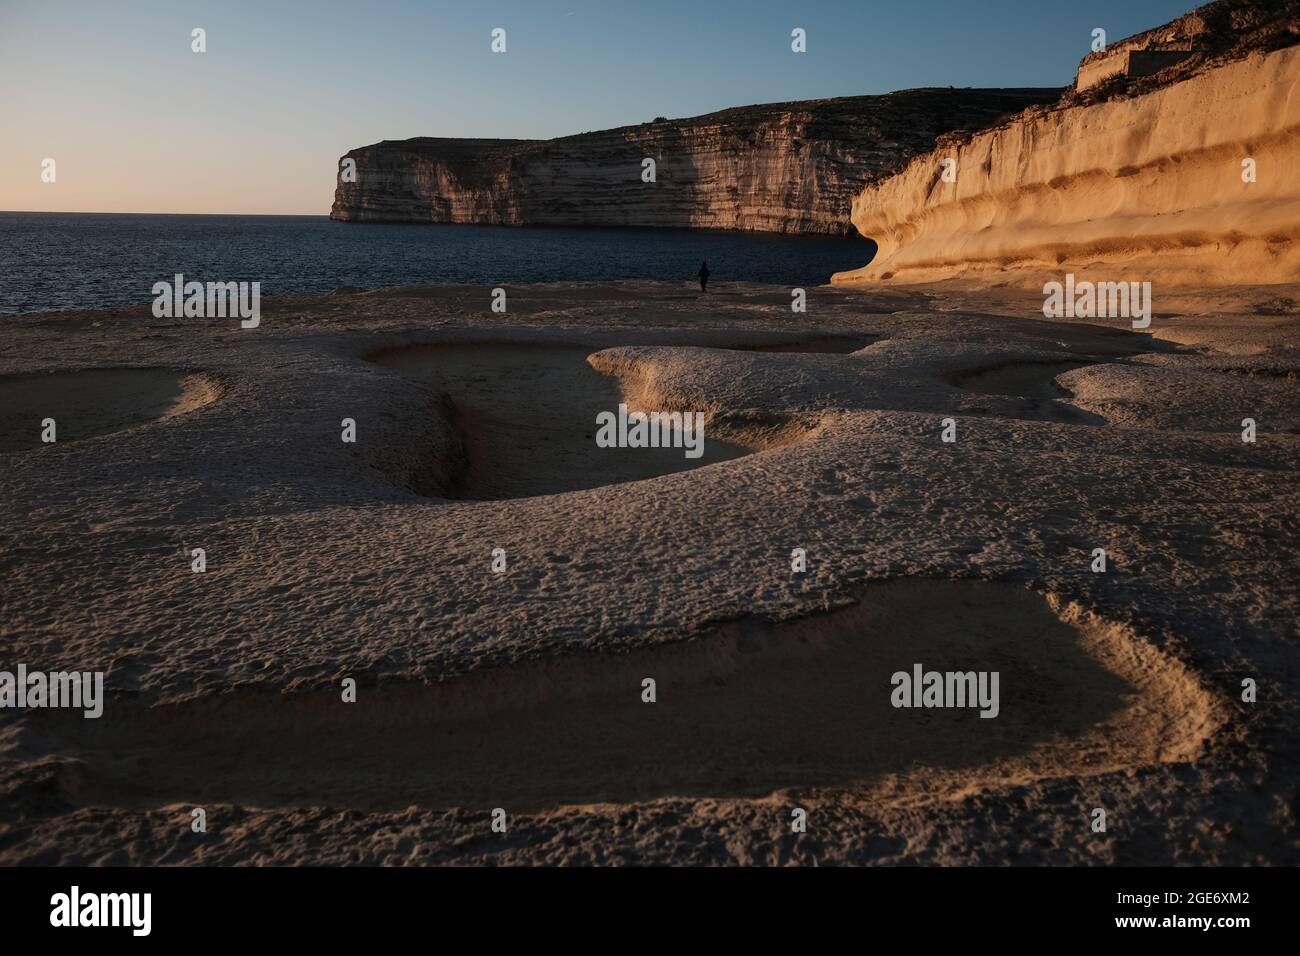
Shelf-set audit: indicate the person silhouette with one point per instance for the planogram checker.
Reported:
(704, 276)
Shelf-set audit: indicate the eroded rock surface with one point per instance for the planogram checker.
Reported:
(328, 560)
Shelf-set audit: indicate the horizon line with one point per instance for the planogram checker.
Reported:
(118, 212)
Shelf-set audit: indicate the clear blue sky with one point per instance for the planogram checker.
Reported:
(137, 122)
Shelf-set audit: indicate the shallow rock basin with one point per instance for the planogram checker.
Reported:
(525, 416)
(94, 402)
(747, 710)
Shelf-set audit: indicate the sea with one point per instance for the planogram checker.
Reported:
(51, 261)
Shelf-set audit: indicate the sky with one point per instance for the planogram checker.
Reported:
(137, 122)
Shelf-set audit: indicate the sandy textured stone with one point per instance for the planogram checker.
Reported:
(323, 562)
(1141, 181)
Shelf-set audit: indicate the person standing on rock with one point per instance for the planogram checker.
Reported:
(704, 276)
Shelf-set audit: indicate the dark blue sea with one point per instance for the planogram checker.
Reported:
(86, 260)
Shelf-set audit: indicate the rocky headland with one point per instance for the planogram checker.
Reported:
(780, 167)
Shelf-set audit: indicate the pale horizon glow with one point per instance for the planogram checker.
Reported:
(137, 123)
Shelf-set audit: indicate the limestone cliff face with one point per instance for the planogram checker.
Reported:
(784, 167)
(1138, 179)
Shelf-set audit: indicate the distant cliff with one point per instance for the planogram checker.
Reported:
(781, 167)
